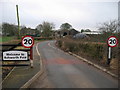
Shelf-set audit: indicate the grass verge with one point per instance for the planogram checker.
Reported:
(5, 39)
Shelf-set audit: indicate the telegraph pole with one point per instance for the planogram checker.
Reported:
(18, 21)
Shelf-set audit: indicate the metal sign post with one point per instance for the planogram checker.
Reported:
(112, 42)
(31, 57)
(28, 42)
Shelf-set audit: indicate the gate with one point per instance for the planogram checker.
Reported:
(6, 48)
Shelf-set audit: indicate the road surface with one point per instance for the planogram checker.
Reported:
(65, 71)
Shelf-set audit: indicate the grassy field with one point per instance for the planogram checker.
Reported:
(5, 39)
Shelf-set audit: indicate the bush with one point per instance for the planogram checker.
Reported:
(59, 43)
(94, 50)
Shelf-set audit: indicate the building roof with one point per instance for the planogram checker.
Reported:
(92, 32)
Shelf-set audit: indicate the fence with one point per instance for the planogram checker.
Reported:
(12, 47)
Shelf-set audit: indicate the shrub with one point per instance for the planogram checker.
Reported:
(59, 43)
(93, 50)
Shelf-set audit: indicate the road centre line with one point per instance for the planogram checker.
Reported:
(51, 45)
(56, 48)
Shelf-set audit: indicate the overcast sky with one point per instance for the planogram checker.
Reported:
(80, 14)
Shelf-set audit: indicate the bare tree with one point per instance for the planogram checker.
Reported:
(109, 27)
(118, 26)
(9, 29)
(65, 26)
(45, 28)
(39, 28)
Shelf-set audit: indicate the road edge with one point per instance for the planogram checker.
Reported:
(95, 65)
(91, 63)
(27, 84)
(7, 75)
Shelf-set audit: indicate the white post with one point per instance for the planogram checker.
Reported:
(109, 53)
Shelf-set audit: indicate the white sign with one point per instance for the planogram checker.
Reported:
(112, 41)
(15, 55)
(27, 41)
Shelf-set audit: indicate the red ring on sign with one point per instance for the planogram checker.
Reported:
(116, 41)
(32, 40)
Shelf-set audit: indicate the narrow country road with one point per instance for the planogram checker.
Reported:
(65, 71)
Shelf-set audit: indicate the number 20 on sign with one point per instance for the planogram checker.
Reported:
(112, 41)
(27, 41)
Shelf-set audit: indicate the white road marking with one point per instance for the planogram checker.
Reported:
(41, 63)
(27, 84)
(57, 48)
(51, 46)
(37, 49)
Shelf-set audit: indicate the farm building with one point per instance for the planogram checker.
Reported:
(62, 33)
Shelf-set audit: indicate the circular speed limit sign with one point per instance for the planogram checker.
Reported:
(112, 41)
(27, 41)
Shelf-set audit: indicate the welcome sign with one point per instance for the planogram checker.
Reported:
(15, 55)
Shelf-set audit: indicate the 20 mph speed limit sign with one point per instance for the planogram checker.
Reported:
(112, 41)
(27, 41)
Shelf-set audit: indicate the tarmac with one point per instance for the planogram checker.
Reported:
(20, 75)
(23, 76)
